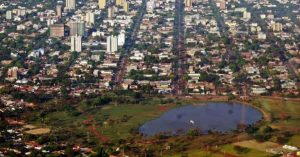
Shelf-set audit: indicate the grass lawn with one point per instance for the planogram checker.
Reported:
(229, 148)
(252, 144)
(38, 131)
(196, 153)
(280, 109)
(121, 119)
(295, 141)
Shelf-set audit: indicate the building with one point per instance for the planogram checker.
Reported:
(58, 10)
(188, 3)
(276, 27)
(12, 74)
(70, 4)
(261, 36)
(8, 15)
(102, 4)
(76, 44)
(121, 39)
(90, 18)
(111, 12)
(77, 28)
(222, 5)
(57, 30)
(112, 44)
(119, 2)
(126, 6)
(150, 6)
(21, 12)
(246, 15)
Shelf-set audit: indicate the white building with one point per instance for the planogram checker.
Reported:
(76, 44)
(112, 44)
(121, 39)
(90, 18)
(150, 6)
(8, 15)
(246, 15)
(70, 4)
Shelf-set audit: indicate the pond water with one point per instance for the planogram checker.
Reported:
(221, 117)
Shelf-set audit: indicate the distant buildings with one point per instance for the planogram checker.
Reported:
(70, 4)
(246, 15)
(119, 2)
(276, 27)
(126, 6)
(112, 44)
(150, 6)
(12, 74)
(111, 12)
(188, 3)
(101, 4)
(76, 44)
(121, 39)
(77, 28)
(222, 5)
(58, 10)
(90, 18)
(57, 30)
(8, 15)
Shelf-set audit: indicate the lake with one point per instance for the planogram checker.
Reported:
(221, 117)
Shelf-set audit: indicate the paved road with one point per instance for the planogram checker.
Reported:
(179, 69)
(120, 72)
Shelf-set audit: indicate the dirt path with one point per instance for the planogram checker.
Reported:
(92, 129)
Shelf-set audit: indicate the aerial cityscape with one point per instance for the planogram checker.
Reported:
(150, 78)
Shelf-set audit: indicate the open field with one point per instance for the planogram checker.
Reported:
(229, 148)
(260, 146)
(285, 114)
(117, 122)
(113, 122)
(38, 131)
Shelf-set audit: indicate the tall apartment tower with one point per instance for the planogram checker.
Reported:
(276, 27)
(112, 44)
(90, 18)
(71, 4)
(111, 12)
(8, 15)
(76, 44)
(126, 6)
(188, 3)
(58, 11)
(77, 28)
(119, 2)
(102, 4)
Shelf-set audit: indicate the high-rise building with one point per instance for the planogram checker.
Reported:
(102, 4)
(76, 44)
(77, 28)
(112, 44)
(150, 6)
(57, 30)
(58, 10)
(71, 4)
(111, 12)
(126, 6)
(8, 15)
(90, 18)
(188, 3)
(12, 73)
(118, 2)
(121, 39)
(276, 27)
(222, 5)
(246, 15)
